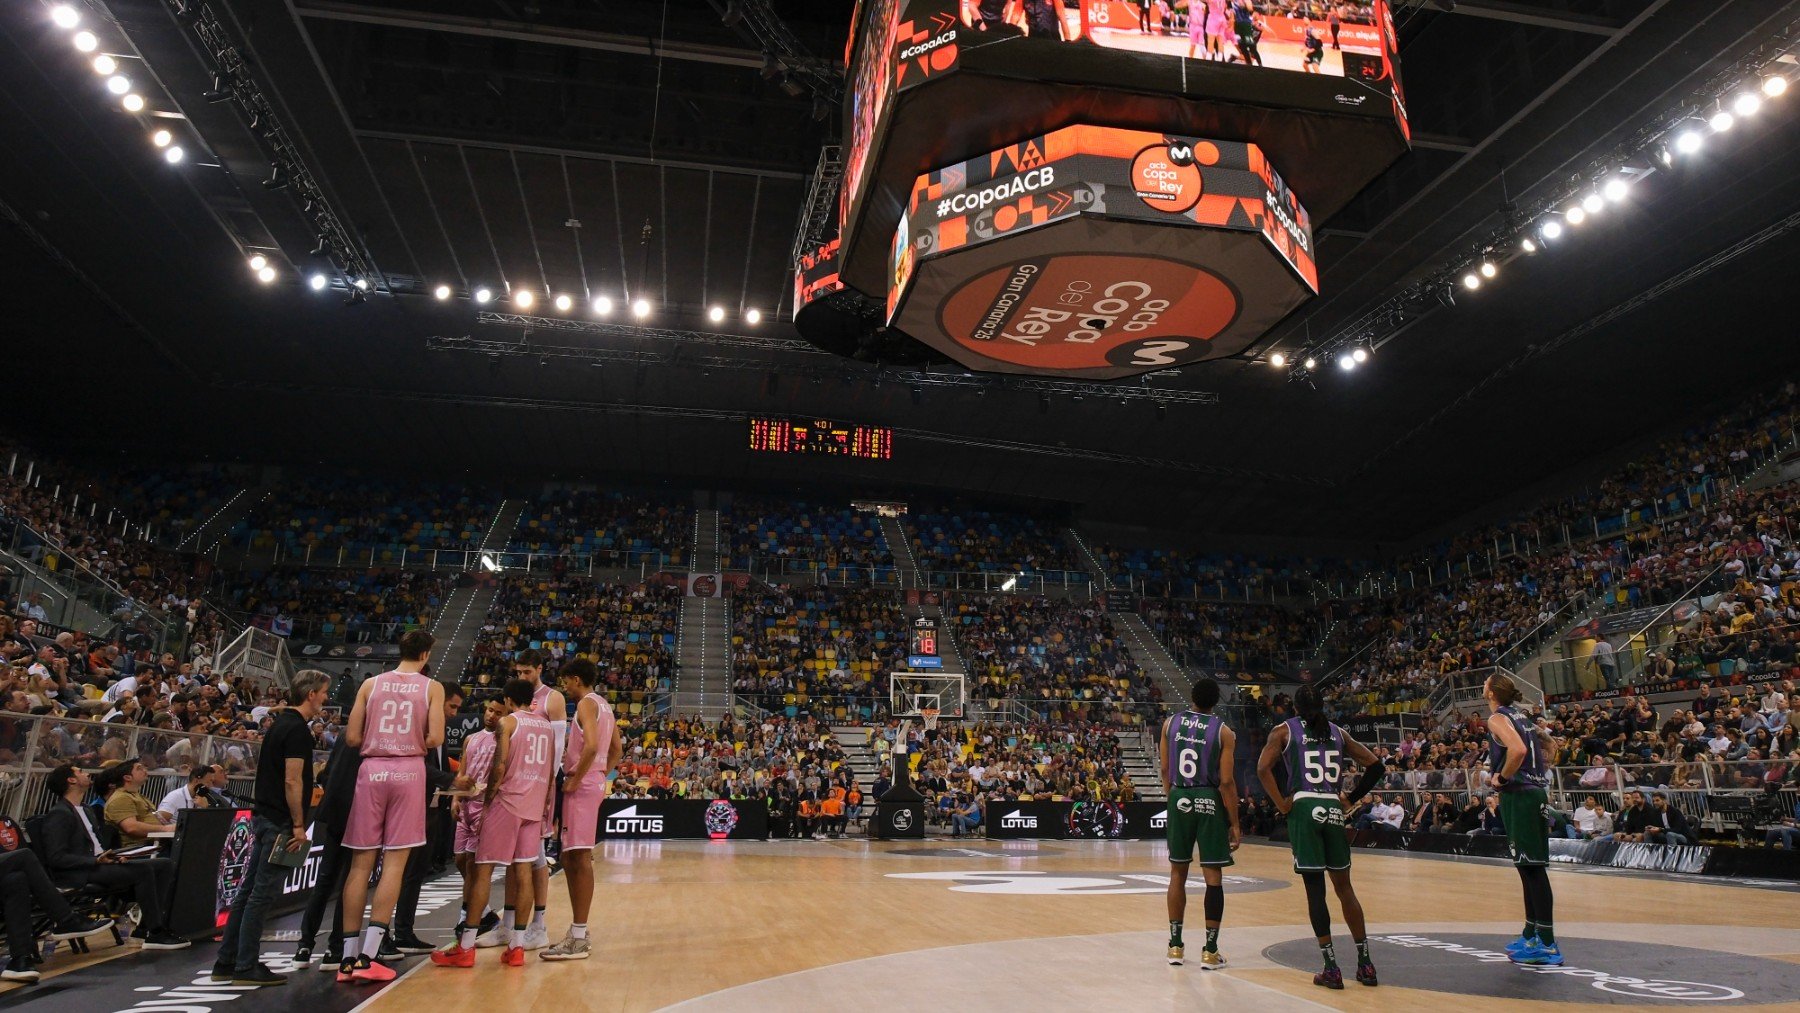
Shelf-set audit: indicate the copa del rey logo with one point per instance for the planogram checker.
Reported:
(627, 821)
(1016, 820)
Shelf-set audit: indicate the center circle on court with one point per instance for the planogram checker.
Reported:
(1600, 971)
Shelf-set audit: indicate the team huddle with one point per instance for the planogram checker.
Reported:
(1197, 756)
(505, 805)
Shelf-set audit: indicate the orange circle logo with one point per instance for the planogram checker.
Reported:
(1164, 181)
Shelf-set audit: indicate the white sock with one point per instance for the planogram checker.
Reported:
(372, 938)
(352, 947)
(578, 931)
(465, 937)
(537, 918)
(517, 935)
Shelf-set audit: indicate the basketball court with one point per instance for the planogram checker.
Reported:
(1027, 925)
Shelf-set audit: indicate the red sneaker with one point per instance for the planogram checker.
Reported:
(372, 972)
(513, 957)
(1331, 977)
(455, 956)
(345, 970)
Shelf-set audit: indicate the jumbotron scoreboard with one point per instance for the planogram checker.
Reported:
(1073, 188)
(772, 435)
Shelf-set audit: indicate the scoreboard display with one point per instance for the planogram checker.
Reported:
(820, 436)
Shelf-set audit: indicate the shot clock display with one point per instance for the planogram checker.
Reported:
(820, 436)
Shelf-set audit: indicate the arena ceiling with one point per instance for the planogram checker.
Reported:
(633, 145)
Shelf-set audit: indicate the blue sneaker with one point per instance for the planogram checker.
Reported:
(1520, 944)
(1538, 953)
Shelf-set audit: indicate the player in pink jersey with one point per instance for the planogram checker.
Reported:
(593, 751)
(398, 715)
(477, 762)
(547, 702)
(515, 805)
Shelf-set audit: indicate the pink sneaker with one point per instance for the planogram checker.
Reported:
(373, 973)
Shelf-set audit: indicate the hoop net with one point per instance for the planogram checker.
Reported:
(930, 716)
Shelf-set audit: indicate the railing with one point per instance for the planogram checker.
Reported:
(1467, 688)
(30, 747)
(1727, 659)
(71, 584)
(1687, 786)
(1534, 638)
(1563, 676)
(460, 559)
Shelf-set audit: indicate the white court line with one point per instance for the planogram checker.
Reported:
(383, 990)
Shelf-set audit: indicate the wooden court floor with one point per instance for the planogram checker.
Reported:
(1051, 925)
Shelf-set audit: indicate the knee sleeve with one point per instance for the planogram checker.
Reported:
(1215, 903)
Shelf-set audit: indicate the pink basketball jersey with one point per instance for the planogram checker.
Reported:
(540, 704)
(478, 756)
(603, 732)
(395, 714)
(529, 756)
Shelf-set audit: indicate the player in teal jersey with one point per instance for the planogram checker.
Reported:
(1315, 749)
(1198, 753)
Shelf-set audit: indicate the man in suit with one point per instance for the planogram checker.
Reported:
(419, 862)
(23, 880)
(73, 852)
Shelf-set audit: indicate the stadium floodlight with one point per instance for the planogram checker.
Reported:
(105, 65)
(258, 262)
(362, 284)
(1552, 229)
(118, 84)
(1593, 204)
(1278, 360)
(1346, 362)
(1471, 281)
(133, 103)
(640, 308)
(1615, 189)
(484, 295)
(753, 317)
(1774, 85)
(86, 42)
(716, 314)
(1360, 354)
(1488, 270)
(161, 138)
(65, 16)
(317, 282)
(1689, 141)
(1721, 121)
(1528, 244)
(442, 292)
(603, 305)
(1575, 215)
(265, 274)
(564, 303)
(1746, 104)
(173, 154)
(523, 298)
(1311, 363)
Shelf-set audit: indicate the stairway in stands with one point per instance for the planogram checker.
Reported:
(857, 755)
(458, 621)
(1089, 560)
(906, 565)
(500, 529)
(1139, 753)
(703, 652)
(1149, 653)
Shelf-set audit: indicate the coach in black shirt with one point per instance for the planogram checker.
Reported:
(284, 784)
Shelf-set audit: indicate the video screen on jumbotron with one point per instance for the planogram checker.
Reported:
(872, 31)
(1308, 36)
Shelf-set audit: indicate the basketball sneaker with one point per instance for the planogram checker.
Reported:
(1331, 977)
(372, 972)
(569, 949)
(1212, 960)
(1365, 974)
(1520, 944)
(455, 956)
(1177, 954)
(348, 968)
(491, 938)
(1538, 953)
(513, 957)
(536, 938)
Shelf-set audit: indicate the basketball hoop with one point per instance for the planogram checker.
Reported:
(930, 715)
